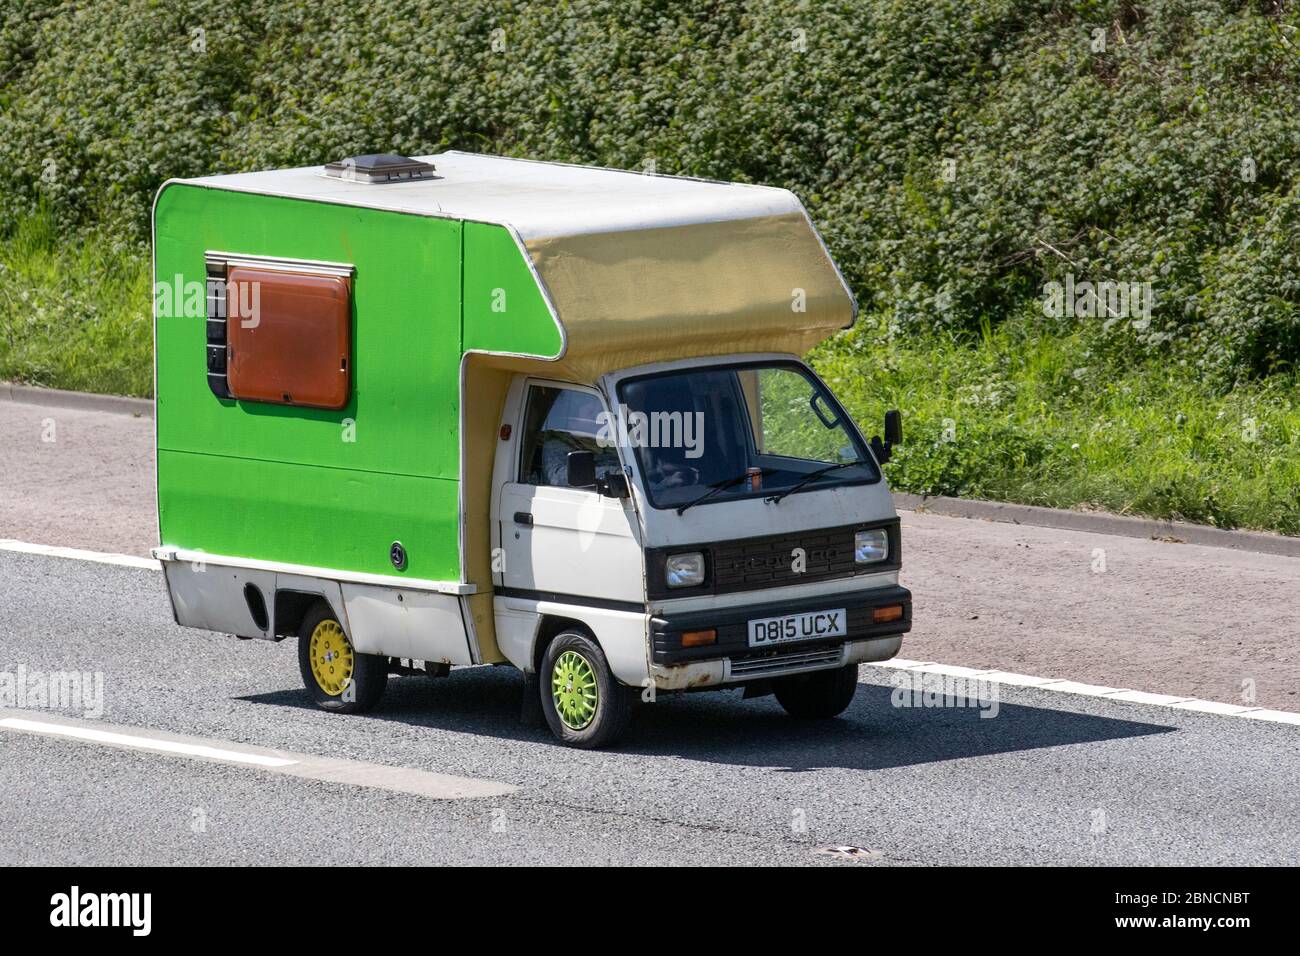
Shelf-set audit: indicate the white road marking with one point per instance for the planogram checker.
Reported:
(1143, 697)
(952, 670)
(1084, 690)
(1020, 680)
(1059, 684)
(1214, 707)
(1274, 716)
(354, 773)
(99, 557)
(1063, 686)
(142, 743)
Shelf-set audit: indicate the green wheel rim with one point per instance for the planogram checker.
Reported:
(574, 690)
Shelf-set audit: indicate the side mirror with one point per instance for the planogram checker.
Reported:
(883, 450)
(581, 471)
(614, 485)
(893, 427)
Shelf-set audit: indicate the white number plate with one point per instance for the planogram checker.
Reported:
(798, 627)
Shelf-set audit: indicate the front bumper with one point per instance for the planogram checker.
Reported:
(732, 625)
(700, 675)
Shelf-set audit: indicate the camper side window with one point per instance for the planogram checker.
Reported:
(558, 421)
(288, 338)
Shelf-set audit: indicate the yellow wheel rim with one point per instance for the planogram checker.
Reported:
(331, 657)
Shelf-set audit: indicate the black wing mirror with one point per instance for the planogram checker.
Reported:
(582, 474)
(893, 427)
(614, 485)
(883, 450)
(581, 471)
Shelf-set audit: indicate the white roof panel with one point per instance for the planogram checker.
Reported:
(539, 200)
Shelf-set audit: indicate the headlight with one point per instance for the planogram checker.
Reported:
(869, 546)
(685, 570)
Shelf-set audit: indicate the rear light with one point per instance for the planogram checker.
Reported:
(883, 615)
(699, 638)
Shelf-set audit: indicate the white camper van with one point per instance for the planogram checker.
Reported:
(578, 435)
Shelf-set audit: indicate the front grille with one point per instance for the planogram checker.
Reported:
(753, 564)
(770, 562)
(822, 657)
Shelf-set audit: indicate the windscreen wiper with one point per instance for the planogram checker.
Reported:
(719, 487)
(810, 478)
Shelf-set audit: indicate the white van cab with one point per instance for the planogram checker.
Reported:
(724, 514)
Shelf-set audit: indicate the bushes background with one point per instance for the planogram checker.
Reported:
(957, 155)
(1128, 161)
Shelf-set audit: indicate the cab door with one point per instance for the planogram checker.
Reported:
(556, 540)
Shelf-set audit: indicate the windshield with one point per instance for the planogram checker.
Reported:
(738, 432)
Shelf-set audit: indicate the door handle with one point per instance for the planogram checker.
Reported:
(523, 517)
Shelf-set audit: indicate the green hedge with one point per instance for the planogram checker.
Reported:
(1167, 157)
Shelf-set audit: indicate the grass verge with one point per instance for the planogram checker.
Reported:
(1021, 414)
(1027, 416)
(75, 315)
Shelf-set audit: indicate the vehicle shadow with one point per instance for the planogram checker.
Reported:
(872, 734)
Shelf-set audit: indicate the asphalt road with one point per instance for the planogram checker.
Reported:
(707, 778)
(1151, 615)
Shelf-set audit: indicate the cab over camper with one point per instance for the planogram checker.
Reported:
(460, 409)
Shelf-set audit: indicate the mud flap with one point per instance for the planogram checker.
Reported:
(530, 708)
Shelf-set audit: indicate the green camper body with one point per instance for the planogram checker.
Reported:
(335, 489)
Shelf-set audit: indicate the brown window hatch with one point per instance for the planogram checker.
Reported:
(289, 337)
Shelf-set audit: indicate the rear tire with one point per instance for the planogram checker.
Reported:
(819, 695)
(584, 704)
(338, 678)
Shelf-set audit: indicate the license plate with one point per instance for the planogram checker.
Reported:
(798, 627)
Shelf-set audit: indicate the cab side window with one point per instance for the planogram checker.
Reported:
(558, 421)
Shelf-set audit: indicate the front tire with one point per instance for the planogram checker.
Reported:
(584, 704)
(338, 678)
(819, 695)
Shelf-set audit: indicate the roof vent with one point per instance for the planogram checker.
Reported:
(379, 168)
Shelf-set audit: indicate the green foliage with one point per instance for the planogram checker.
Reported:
(75, 314)
(1048, 420)
(791, 425)
(957, 155)
(1149, 141)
